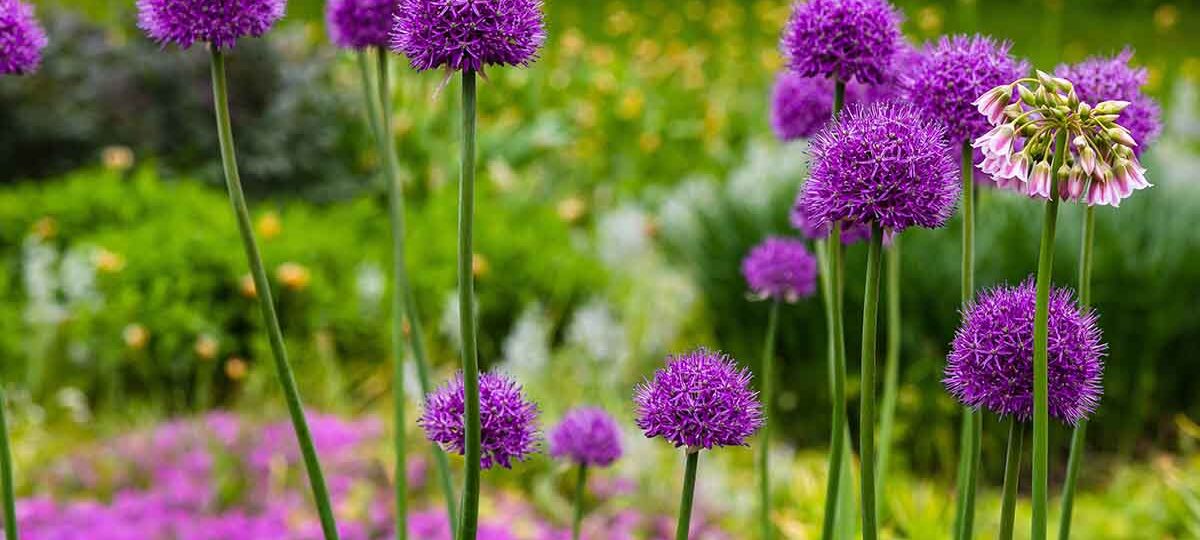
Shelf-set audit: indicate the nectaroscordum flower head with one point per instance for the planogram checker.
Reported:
(468, 34)
(852, 40)
(587, 436)
(699, 400)
(508, 420)
(950, 74)
(1106, 79)
(358, 24)
(21, 39)
(881, 163)
(780, 269)
(219, 22)
(991, 359)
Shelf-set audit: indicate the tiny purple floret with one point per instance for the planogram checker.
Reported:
(587, 436)
(780, 269)
(509, 421)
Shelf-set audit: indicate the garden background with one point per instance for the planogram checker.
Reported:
(623, 176)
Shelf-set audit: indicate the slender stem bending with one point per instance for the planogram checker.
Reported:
(1079, 436)
(768, 398)
(580, 491)
(866, 424)
(837, 442)
(684, 525)
(466, 301)
(1012, 477)
(263, 288)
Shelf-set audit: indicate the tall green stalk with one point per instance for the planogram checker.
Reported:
(768, 398)
(1012, 477)
(972, 422)
(279, 351)
(685, 500)
(1041, 317)
(866, 418)
(837, 349)
(6, 473)
(469, 521)
(580, 491)
(1079, 436)
(891, 370)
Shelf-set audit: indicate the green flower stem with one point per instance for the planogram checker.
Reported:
(1012, 477)
(580, 491)
(6, 474)
(1041, 316)
(1079, 436)
(866, 422)
(279, 351)
(833, 314)
(768, 398)
(891, 370)
(466, 301)
(972, 422)
(685, 500)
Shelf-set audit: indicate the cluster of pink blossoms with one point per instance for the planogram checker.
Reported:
(1100, 166)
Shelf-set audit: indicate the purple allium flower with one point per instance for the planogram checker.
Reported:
(588, 436)
(219, 22)
(1100, 79)
(851, 233)
(852, 40)
(509, 422)
(991, 359)
(800, 105)
(950, 74)
(699, 400)
(780, 269)
(468, 34)
(358, 24)
(881, 163)
(21, 39)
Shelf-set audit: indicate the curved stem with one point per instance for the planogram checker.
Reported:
(891, 370)
(1041, 316)
(833, 315)
(768, 398)
(685, 500)
(972, 422)
(466, 302)
(1079, 436)
(1012, 477)
(6, 474)
(866, 422)
(580, 491)
(279, 351)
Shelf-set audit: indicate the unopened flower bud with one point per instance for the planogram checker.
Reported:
(1122, 136)
(1111, 107)
(1085, 110)
(1064, 85)
(1027, 95)
(1087, 159)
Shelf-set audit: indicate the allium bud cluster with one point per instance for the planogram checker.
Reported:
(1100, 166)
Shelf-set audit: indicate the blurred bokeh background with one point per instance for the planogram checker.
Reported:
(624, 175)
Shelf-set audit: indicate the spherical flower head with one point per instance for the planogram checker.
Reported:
(358, 24)
(468, 34)
(852, 40)
(780, 269)
(587, 436)
(881, 163)
(813, 230)
(218, 22)
(1099, 79)
(800, 105)
(508, 420)
(951, 73)
(699, 400)
(991, 359)
(21, 39)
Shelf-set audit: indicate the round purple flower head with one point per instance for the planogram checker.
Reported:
(358, 24)
(468, 34)
(1100, 79)
(881, 163)
(851, 233)
(509, 422)
(800, 105)
(780, 269)
(219, 22)
(588, 436)
(699, 400)
(948, 77)
(21, 39)
(991, 359)
(847, 39)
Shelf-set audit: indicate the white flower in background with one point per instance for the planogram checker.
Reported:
(75, 402)
(659, 323)
(369, 285)
(769, 172)
(78, 275)
(527, 347)
(449, 323)
(38, 261)
(412, 380)
(597, 331)
(681, 211)
(623, 235)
